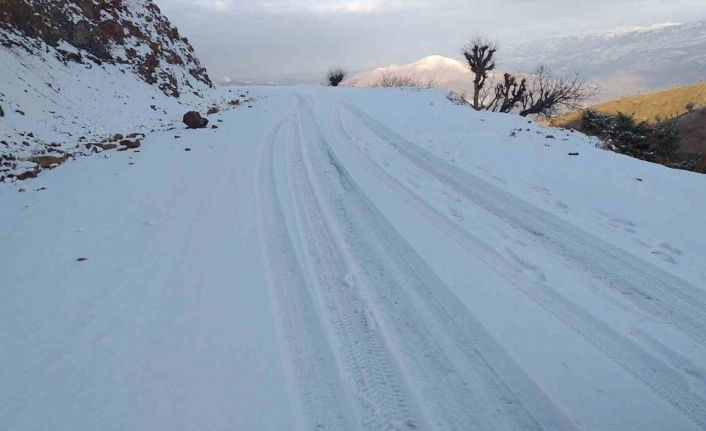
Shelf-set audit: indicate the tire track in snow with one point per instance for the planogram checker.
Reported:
(451, 363)
(663, 380)
(658, 293)
(375, 383)
(313, 376)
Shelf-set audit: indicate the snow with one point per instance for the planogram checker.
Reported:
(355, 259)
(62, 102)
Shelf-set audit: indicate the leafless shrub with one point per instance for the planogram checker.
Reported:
(541, 94)
(548, 94)
(391, 79)
(335, 76)
(456, 98)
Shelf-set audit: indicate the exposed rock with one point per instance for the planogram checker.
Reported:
(107, 146)
(46, 161)
(212, 110)
(127, 143)
(193, 120)
(2, 113)
(106, 31)
(27, 174)
(116, 137)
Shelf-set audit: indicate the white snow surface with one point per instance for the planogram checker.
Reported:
(354, 259)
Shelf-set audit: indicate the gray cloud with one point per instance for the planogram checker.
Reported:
(272, 39)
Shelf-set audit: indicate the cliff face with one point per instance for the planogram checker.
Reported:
(132, 34)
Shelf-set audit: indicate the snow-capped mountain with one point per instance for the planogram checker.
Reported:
(76, 71)
(624, 61)
(442, 72)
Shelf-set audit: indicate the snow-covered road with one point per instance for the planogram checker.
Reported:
(347, 259)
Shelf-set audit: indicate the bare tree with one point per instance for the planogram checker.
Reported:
(540, 94)
(335, 76)
(507, 94)
(480, 56)
(548, 94)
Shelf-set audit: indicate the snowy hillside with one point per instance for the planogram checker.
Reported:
(440, 71)
(77, 72)
(624, 61)
(355, 259)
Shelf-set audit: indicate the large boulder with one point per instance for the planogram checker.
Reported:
(193, 120)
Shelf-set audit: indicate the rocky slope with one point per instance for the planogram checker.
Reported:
(78, 71)
(124, 32)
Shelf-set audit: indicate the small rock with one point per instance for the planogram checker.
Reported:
(116, 137)
(19, 112)
(214, 126)
(21, 190)
(187, 149)
(573, 154)
(81, 259)
(550, 137)
(639, 179)
(2, 113)
(212, 110)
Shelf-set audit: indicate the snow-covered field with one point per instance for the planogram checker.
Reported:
(361, 259)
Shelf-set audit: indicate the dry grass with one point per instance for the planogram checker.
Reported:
(651, 107)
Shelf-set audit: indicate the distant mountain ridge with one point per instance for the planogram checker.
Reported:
(624, 61)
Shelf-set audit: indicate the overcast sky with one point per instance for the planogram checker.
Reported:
(273, 39)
